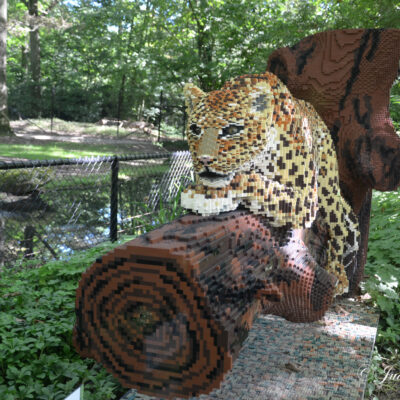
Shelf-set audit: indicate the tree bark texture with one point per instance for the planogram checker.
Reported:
(167, 313)
(204, 44)
(34, 58)
(5, 128)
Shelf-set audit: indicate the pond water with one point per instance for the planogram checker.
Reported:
(74, 218)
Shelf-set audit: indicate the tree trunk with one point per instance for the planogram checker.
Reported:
(120, 100)
(205, 51)
(24, 60)
(205, 46)
(34, 55)
(27, 243)
(5, 128)
(124, 63)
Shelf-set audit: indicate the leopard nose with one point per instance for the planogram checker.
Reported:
(205, 160)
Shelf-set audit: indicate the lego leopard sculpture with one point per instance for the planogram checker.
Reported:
(254, 144)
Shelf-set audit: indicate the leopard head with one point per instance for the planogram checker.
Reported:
(228, 128)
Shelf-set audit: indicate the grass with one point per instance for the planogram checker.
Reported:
(146, 172)
(52, 150)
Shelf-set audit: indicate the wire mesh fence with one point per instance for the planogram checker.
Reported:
(49, 209)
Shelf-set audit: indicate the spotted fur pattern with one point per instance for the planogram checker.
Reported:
(254, 144)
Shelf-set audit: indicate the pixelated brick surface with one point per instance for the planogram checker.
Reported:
(168, 312)
(273, 155)
(347, 76)
(281, 360)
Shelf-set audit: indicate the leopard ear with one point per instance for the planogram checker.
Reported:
(192, 96)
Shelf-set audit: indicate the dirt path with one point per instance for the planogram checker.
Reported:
(29, 133)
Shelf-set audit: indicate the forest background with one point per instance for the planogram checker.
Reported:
(82, 60)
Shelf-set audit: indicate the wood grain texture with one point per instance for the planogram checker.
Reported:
(347, 76)
(167, 312)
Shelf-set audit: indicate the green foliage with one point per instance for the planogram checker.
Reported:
(143, 218)
(177, 145)
(52, 150)
(116, 57)
(395, 105)
(170, 131)
(383, 284)
(20, 182)
(37, 359)
(168, 211)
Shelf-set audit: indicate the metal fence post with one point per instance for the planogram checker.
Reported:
(114, 200)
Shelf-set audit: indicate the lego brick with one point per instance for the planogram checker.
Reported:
(170, 322)
(347, 76)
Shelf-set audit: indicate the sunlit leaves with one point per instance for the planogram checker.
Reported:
(161, 44)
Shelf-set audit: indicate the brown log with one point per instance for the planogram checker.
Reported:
(347, 76)
(167, 312)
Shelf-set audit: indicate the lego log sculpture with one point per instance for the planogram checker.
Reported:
(347, 76)
(167, 313)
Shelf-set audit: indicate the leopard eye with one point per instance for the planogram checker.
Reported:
(232, 130)
(195, 129)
